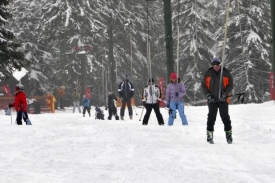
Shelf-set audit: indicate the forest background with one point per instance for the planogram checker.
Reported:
(51, 33)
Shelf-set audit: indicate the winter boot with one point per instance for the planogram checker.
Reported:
(131, 117)
(117, 118)
(228, 135)
(121, 117)
(210, 137)
(109, 117)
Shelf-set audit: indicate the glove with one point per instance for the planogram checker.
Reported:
(177, 94)
(170, 112)
(159, 101)
(168, 105)
(223, 97)
(10, 105)
(209, 98)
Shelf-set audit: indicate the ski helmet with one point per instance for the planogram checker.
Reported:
(19, 86)
(215, 61)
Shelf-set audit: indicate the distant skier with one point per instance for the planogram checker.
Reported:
(36, 103)
(111, 106)
(126, 93)
(61, 94)
(174, 99)
(76, 100)
(20, 105)
(86, 105)
(210, 87)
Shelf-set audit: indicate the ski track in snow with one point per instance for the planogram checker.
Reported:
(66, 147)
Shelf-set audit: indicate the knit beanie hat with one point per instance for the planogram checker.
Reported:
(173, 76)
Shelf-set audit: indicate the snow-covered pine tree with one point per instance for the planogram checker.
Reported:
(248, 51)
(196, 40)
(65, 28)
(26, 16)
(12, 55)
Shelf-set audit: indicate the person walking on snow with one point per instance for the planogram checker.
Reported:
(86, 105)
(210, 87)
(126, 93)
(151, 97)
(174, 99)
(20, 105)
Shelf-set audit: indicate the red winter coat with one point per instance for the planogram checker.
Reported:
(20, 101)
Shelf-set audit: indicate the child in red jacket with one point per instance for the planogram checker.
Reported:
(20, 105)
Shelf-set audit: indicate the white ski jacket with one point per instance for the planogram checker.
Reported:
(151, 94)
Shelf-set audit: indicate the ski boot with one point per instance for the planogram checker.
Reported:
(210, 137)
(228, 135)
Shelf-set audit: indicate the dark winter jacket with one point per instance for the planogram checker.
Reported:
(126, 90)
(111, 103)
(210, 83)
(20, 101)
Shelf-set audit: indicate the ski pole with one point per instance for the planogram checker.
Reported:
(135, 110)
(11, 115)
(141, 113)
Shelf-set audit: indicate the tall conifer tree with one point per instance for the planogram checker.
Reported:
(11, 53)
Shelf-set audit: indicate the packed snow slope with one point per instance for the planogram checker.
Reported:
(66, 147)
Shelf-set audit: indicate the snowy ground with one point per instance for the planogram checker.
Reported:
(68, 148)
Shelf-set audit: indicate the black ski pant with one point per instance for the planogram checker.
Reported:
(124, 101)
(149, 108)
(61, 104)
(19, 117)
(112, 111)
(212, 114)
(88, 110)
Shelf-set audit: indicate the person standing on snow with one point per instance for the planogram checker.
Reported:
(174, 99)
(37, 104)
(20, 105)
(61, 94)
(86, 105)
(210, 87)
(126, 93)
(76, 100)
(111, 106)
(151, 97)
